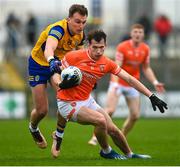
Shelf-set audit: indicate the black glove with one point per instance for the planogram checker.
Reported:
(55, 66)
(68, 83)
(155, 101)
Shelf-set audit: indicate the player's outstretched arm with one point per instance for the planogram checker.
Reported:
(156, 102)
(54, 64)
(134, 83)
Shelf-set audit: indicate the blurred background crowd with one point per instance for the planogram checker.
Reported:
(21, 21)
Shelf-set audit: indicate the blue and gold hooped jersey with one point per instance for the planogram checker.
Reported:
(66, 42)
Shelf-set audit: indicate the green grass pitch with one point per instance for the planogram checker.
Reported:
(159, 138)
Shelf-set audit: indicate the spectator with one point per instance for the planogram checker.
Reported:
(163, 27)
(12, 43)
(145, 21)
(31, 30)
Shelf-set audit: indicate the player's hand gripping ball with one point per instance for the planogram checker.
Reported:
(72, 72)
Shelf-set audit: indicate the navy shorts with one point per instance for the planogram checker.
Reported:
(38, 74)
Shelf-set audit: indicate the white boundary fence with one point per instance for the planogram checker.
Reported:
(171, 97)
(12, 105)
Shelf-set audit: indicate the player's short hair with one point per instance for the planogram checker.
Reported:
(138, 26)
(97, 35)
(81, 9)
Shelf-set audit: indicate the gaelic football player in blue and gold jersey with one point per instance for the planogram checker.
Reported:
(54, 42)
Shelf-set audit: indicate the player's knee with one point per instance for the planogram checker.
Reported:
(101, 122)
(42, 111)
(134, 116)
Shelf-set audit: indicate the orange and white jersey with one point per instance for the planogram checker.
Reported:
(91, 70)
(132, 58)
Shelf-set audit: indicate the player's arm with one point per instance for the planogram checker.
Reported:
(134, 83)
(55, 34)
(56, 79)
(149, 74)
(155, 101)
(51, 45)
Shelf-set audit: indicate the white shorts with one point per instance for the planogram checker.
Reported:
(70, 109)
(127, 91)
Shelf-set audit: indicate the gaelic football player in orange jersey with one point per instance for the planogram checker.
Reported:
(54, 42)
(76, 103)
(130, 56)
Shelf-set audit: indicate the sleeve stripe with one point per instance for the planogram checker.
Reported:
(117, 71)
(53, 35)
(57, 33)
